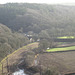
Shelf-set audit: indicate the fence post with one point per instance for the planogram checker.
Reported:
(2, 68)
(7, 65)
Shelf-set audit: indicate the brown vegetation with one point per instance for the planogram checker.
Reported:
(64, 62)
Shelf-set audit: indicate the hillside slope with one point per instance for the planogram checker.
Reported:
(17, 58)
(10, 41)
(62, 62)
(54, 20)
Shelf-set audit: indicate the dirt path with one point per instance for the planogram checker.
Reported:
(67, 45)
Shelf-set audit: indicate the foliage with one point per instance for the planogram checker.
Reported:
(44, 44)
(50, 20)
(34, 69)
(50, 72)
(29, 59)
(10, 41)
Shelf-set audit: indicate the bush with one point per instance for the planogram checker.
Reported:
(50, 72)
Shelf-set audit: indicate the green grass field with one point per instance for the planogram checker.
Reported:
(61, 49)
(66, 37)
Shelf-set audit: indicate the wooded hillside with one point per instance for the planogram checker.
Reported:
(41, 19)
(35, 19)
(10, 41)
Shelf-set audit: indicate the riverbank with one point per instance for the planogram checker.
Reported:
(14, 58)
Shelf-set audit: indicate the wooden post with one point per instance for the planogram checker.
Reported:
(7, 65)
(40, 70)
(2, 68)
(40, 66)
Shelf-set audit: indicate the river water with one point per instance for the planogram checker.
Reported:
(19, 72)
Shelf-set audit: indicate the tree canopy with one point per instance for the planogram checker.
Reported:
(55, 20)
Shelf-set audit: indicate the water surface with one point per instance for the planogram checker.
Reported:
(19, 72)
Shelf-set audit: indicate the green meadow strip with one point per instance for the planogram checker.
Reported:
(61, 49)
(66, 37)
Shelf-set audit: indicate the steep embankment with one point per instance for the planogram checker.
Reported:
(16, 57)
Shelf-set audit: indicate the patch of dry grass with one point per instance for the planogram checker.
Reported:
(64, 62)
